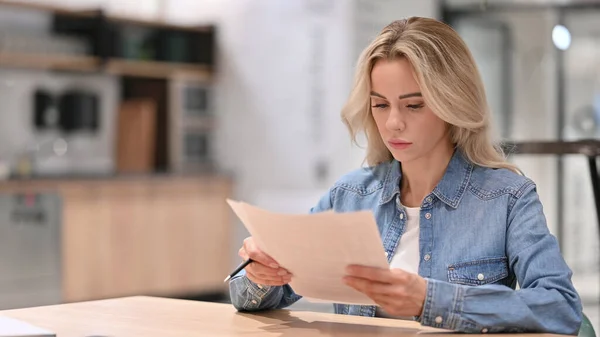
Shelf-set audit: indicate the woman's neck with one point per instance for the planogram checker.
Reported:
(421, 176)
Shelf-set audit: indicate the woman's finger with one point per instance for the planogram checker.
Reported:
(394, 276)
(366, 286)
(261, 270)
(242, 253)
(271, 281)
(269, 277)
(258, 255)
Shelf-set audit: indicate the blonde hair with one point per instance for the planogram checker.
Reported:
(450, 83)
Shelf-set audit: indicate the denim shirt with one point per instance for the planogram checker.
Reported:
(482, 231)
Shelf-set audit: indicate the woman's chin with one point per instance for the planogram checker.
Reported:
(403, 156)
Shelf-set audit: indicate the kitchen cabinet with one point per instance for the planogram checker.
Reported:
(165, 236)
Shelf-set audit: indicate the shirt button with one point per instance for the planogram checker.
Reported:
(439, 320)
(480, 277)
(427, 257)
(401, 216)
(427, 216)
(428, 199)
(386, 254)
(484, 330)
(259, 286)
(254, 302)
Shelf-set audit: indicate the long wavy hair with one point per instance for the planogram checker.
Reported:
(450, 83)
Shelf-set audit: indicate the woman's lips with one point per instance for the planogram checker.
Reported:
(399, 144)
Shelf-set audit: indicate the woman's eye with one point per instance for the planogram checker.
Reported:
(380, 106)
(415, 107)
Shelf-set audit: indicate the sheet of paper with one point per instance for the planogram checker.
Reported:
(10, 327)
(316, 248)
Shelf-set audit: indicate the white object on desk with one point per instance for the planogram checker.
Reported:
(10, 327)
(317, 248)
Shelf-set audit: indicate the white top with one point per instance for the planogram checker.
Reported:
(406, 256)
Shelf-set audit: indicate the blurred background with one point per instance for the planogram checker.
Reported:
(125, 124)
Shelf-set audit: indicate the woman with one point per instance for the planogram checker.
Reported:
(460, 226)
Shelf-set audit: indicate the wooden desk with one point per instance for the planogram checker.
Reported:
(149, 316)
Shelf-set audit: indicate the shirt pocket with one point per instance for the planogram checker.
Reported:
(478, 272)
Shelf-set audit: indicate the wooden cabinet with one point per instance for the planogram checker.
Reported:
(153, 236)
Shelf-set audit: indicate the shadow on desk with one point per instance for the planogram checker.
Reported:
(282, 321)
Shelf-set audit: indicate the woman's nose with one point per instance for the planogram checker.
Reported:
(395, 121)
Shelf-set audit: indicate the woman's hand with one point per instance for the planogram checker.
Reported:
(264, 270)
(396, 291)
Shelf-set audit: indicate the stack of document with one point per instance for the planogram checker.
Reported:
(10, 327)
(317, 248)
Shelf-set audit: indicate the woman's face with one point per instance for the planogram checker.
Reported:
(408, 127)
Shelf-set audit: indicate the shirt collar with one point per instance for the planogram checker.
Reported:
(449, 190)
